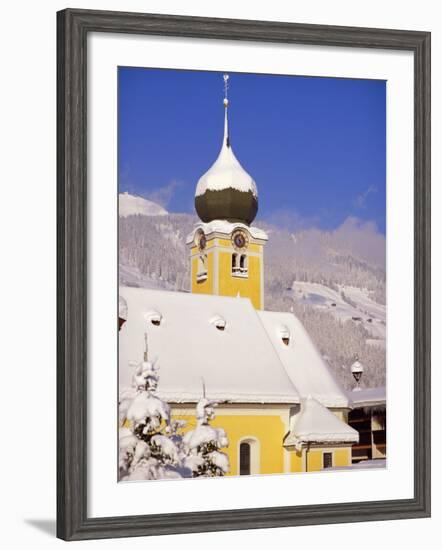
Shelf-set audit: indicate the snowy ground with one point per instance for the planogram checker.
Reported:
(355, 305)
(363, 465)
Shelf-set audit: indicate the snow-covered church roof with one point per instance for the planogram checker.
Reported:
(236, 350)
(314, 423)
(218, 341)
(302, 360)
(368, 397)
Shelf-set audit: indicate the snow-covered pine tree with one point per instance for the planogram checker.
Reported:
(150, 445)
(202, 445)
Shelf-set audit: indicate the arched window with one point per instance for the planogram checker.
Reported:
(235, 268)
(243, 263)
(244, 458)
(248, 456)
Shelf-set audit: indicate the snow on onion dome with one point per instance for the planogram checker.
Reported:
(226, 191)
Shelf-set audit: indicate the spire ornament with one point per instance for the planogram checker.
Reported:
(226, 105)
(226, 191)
(226, 88)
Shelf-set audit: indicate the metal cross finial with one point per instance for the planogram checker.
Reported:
(226, 88)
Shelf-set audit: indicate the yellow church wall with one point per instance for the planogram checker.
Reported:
(252, 247)
(267, 429)
(206, 286)
(247, 287)
(296, 460)
(210, 244)
(341, 457)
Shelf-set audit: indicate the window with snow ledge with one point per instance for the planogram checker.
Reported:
(201, 274)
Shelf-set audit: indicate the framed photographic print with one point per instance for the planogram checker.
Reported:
(243, 274)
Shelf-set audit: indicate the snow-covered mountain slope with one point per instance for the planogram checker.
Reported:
(129, 205)
(132, 276)
(347, 304)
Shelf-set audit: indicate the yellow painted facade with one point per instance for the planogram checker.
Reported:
(212, 272)
(265, 427)
(341, 456)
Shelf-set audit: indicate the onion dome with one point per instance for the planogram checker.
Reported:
(226, 191)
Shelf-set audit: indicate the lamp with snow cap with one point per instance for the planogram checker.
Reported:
(357, 369)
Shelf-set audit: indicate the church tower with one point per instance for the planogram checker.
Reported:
(226, 253)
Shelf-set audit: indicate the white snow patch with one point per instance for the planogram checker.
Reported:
(147, 405)
(236, 365)
(359, 308)
(122, 308)
(368, 397)
(205, 434)
(317, 424)
(129, 205)
(378, 463)
(226, 172)
(302, 361)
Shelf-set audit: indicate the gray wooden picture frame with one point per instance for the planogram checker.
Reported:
(73, 27)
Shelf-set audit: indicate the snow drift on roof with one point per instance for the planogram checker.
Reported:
(368, 397)
(316, 424)
(238, 364)
(303, 363)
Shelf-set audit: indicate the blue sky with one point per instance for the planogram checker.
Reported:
(315, 146)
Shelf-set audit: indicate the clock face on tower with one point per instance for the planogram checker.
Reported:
(240, 239)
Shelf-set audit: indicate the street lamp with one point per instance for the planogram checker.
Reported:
(357, 369)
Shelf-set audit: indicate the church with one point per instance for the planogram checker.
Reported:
(281, 407)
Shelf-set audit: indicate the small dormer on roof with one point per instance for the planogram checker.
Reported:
(226, 191)
(219, 322)
(154, 317)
